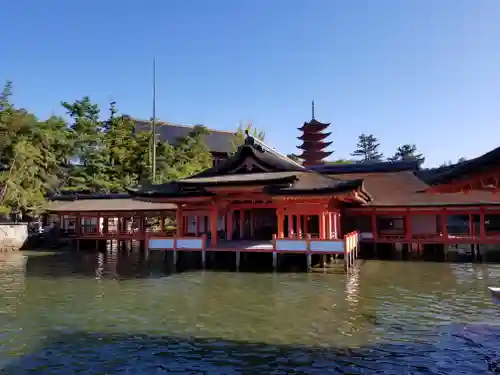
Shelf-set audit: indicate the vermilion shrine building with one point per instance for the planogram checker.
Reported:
(258, 200)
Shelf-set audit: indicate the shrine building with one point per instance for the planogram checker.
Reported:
(259, 201)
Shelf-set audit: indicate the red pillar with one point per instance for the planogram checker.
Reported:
(290, 226)
(306, 224)
(482, 225)
(180, 221)
(252, 229)
(299, 226)
(213, 226)
(242, 222)
(78, 225)
(374, 226)
(322, 231)
(197, 225)
(444, 226)
(229, 234)
(338, 223)
(328, 225)
(471, 226)
(280, 217)
(407, 223)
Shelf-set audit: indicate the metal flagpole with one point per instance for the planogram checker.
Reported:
(153, 126)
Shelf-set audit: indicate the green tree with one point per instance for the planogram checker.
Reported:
(32, 155)
(407, 152)
(127, 154)
(91, 171)
(295, 158)
(341, 161)
(449, 163)
(241, 132)
(188, 156)
(368, 148)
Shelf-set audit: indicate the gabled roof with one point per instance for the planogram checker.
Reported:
(253, 150)
(468, 168)
(216, 140)
(366, 167)
(256, 164)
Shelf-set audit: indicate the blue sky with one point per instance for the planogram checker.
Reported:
(413, 71)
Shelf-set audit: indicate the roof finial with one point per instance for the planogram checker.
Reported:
(313, 108)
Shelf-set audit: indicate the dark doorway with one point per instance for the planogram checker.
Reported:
(258, 224)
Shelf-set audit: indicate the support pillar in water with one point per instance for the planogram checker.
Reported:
(203, 258)
(238, 260)
(174, 257)
(275, 261)
(309, 261)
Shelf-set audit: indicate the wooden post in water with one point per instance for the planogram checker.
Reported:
(203, 259)
(238, 258)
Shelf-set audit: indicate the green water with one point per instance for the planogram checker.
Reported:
(116, 314)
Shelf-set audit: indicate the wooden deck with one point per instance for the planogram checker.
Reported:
(243, 245)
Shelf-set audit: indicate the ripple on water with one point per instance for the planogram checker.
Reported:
(57, 317)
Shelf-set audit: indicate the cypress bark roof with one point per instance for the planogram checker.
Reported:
(461, 171)
(216, 140)
(103, 202)
(407, 189)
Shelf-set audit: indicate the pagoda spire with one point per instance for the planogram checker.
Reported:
(313, 144)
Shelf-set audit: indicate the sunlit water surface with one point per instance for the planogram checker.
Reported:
(98, 314)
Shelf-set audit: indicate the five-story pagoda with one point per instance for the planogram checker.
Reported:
(313, 141)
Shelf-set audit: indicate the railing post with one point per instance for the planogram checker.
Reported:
(346, 251)
(203, 247)
(275, 254)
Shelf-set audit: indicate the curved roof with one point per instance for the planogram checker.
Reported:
(314, 125)
(468, 168)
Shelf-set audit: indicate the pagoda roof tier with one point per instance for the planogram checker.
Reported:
(314, 126)
(317, 155)
(313, 136)
(314, 147)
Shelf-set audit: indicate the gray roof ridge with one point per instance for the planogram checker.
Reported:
(166, 123)
(274, 152)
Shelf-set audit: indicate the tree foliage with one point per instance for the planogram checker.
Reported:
(295, 158)
(368, 148)
(449, 163)
(85, 154)
(241, 132)
(341, 161)
(408, 152)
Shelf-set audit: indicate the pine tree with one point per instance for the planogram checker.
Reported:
(407, 152)
(368, 148)
(91, 169)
